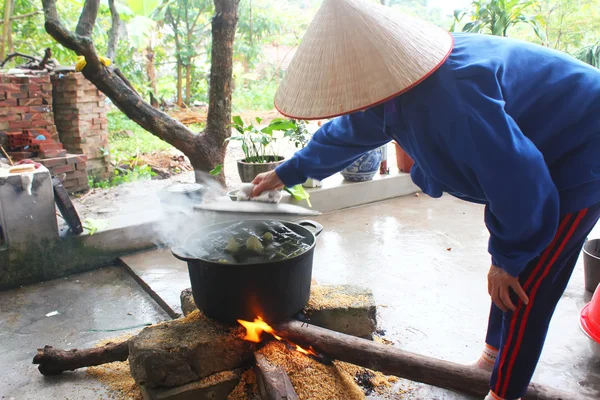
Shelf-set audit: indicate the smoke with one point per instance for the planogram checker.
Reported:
(178, 219)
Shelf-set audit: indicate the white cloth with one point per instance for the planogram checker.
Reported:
(269, 196)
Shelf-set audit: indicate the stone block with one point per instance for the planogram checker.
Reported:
(347, 309)
(187, 301)
(183, 351)
(217, 386)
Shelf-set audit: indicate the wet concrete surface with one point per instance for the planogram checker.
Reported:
(92, 306)
(162, 276)
(426, 261)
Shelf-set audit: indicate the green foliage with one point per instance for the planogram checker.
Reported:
(216, 170)
(496, 17)
(254, 95)
(590, 55)
(140, 141)
(257, 144)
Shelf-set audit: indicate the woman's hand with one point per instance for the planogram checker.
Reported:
(266, 181)
(499, 284)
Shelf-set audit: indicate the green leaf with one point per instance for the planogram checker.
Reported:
(258, 120)
(237, 120)
(299, 193)
(94, 225)
(216, 170)
(142, 7)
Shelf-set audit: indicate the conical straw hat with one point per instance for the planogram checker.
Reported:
(356, 54)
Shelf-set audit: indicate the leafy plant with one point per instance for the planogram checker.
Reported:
(497, 16)
(298, 134)
(216, 170)
(256, 144)
(590, 55)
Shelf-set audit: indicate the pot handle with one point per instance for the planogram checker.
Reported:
(312, 226)
(180, 253)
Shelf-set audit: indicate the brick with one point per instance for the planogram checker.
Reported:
(19, 124)
(68, 86)
(8, 103)
(80, 188)
(5, 125)
(83, 181)
(99, 110)
(2, 96)
(53, 154)
(67, 184)
(77, 159)
(10, 88)
(21, 155)
(76, 175)
(65, 117)
(12, 117)
(29, 88)
(47, 87)
(30, 102)
(40, 109)
(17, 95)
(54, 162)
(100, 121)
(81, 166)
(40, 123)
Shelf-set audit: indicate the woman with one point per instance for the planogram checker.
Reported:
(490, 120)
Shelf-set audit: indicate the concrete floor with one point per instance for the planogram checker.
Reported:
(92, 306)
(425, 260)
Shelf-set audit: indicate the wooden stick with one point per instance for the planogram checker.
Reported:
(54, 361)
(7, 156)
(273, 382)
(393, 361)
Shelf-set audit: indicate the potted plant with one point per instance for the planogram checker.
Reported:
(403, 160)
(257, 146)
(300, 136)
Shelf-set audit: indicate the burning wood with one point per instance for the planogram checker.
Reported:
(388, 360)
(273, 382)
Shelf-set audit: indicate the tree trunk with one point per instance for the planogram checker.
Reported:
(113, 32)
(188, 82)
(179, 80)
(5, 28)
(205, 150)
(151, 74)
(221, 71)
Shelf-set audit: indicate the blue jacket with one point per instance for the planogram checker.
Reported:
(505, 123)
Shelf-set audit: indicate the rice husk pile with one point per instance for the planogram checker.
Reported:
(246, 389)
(311, 379)
(326, 297)
(116, 376)
(371, 381)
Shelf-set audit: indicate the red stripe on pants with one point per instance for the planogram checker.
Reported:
(514, 319)
(534, 290)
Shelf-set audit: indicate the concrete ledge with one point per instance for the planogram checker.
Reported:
(337, 193)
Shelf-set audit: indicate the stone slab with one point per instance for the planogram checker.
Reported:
(348, 309)
(217, 386)
(183, 351)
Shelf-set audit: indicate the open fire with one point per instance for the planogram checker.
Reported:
(255, 329)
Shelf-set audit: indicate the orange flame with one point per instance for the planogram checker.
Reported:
(255, 329)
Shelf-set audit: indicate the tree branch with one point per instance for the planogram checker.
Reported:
(87, 19)
(115, 29)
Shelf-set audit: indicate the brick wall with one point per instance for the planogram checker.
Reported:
(26, 103)
(75, 169)
(80, 116)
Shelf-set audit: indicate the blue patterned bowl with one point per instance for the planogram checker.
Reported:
(365, 168)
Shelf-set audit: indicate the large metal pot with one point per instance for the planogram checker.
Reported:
(274, 290)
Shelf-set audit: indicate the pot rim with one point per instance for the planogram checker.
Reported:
(587, 252)
(278, 159)
(269, 262)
